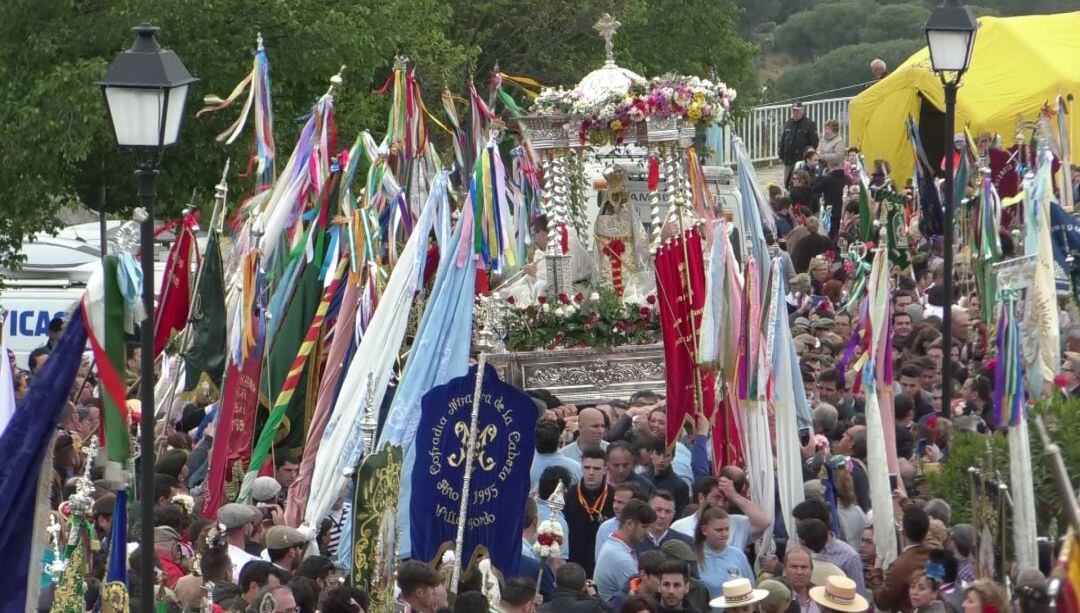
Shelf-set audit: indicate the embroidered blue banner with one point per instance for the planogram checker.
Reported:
(500, 469)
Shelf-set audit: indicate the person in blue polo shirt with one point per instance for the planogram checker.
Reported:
(719, 562)
(617, 562)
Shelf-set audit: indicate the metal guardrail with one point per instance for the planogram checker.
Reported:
(762, 128)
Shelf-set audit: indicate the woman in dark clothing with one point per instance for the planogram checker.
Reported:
(831, 186)
(802, 194)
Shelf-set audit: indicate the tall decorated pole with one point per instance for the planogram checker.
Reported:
(70, 590)
(477, 433)
(257, 105)
(680, 285)
(484, 344)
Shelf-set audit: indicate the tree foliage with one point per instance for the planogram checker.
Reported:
(953, 484)
(838, 72)
(1020, 7)
(59, 150)
(893, 22)
(825, 39)
(555, 41)
(828, 26)
(758, 12)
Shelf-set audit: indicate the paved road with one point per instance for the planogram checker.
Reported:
(774, 173)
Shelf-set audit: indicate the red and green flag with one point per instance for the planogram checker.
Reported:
(105, 315)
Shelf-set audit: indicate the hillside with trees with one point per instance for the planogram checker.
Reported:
(823, 48)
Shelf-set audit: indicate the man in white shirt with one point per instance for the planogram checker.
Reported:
(590, 433)
(239, 523)
(720, 492)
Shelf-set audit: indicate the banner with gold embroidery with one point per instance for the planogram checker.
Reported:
(374, 514)
(235, 431)
(499, 481)
(680, 290)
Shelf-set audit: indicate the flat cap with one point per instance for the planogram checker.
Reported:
(235, 515)
(265, 489)
(165, 533)
(679, 550)
(283, 537)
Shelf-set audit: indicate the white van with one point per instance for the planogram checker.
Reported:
(28, 311)
(52, 278)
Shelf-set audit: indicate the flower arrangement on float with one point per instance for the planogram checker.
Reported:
(608, 120)
(600, 319)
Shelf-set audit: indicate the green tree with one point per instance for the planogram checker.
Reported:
(756, 13)
(652, 40)
(1019, 7)
(795, 37)
(895, 21)
(825, 27)
(789, 8)
(59, 150)
(59, 147)
(839, 72)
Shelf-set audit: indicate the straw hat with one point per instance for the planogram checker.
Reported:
(738, 593)
(838, 594)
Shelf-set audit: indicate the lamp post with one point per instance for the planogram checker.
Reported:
(145, 91)
(950, 35)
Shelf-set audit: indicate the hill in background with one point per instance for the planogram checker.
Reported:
(823, 48)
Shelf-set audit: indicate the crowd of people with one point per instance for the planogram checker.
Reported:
(647, 526)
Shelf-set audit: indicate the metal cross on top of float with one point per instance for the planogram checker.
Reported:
(606, 26)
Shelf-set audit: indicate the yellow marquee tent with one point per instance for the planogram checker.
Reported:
(1019, 64)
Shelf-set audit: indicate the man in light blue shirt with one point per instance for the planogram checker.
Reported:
(590, 433)
(621, 494)
(617, 562)
(547, 453)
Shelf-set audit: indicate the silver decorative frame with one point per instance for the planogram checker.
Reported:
(687, 132)
(586, 375)
(547, 132)
(658, 131)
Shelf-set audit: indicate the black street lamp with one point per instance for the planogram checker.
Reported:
(145, 90)
(950, 35)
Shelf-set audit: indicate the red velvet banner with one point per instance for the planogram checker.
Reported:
(235, 431)
(172, 309)
(680, 290)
